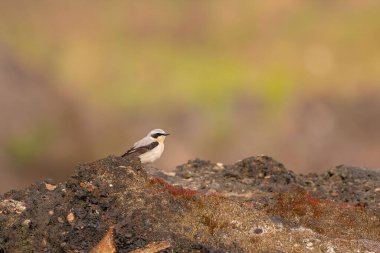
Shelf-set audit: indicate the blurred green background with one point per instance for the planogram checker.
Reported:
(296, 80)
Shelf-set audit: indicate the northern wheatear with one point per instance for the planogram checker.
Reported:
(149, 148)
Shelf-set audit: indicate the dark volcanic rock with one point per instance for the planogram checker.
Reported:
(348, 184)
(256, 205)
(251, 174)
(358, 186)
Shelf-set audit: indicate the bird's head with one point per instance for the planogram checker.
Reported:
(158, 135)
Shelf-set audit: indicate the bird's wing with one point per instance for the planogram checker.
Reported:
(141, 149)
(143, 142)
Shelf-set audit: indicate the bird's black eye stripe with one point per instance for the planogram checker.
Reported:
(156, 135)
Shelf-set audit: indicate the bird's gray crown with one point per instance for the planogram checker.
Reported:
(157, 132)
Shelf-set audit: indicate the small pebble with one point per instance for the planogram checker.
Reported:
(330, 249)
(309, 245)
(50, 187)
(187, 175)
(26, 222)
(260, 175)
(171, 174)
(70, 218)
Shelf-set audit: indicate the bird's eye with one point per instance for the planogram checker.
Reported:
(156, 135)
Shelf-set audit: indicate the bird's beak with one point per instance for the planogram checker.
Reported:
(166, 134)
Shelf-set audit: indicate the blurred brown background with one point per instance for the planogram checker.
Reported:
(79, 80)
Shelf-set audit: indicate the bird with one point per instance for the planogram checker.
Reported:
(149, 148)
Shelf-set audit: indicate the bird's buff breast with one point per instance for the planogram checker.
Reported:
(152, 155)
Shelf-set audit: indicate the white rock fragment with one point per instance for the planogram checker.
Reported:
(13, 206)
(169, 173)
(309, 246)
(218, 167)
(330, 249)
(309, 243)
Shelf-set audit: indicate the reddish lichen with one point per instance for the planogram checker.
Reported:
(175, 191)
(324, 216)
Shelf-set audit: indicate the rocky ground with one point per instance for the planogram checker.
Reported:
(346, 184)
(255, 205)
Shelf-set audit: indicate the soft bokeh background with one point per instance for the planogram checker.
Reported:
(79, 80)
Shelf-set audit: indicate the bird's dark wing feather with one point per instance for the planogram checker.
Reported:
(141, 150)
